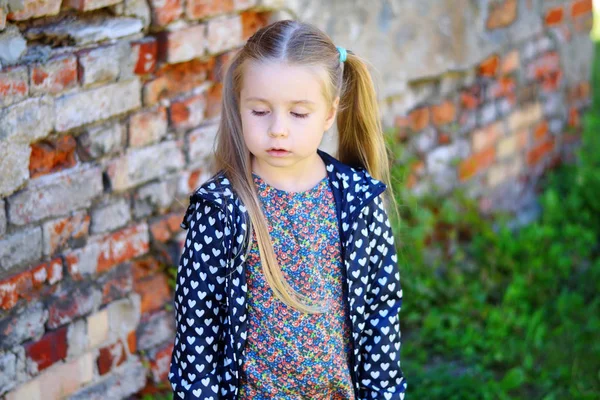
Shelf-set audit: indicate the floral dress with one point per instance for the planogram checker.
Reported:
(291, 354)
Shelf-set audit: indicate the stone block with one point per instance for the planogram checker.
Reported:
(55, 195)
(54, 76)
(14, 85)
(21, 247)
(108, 217)
(96, 104)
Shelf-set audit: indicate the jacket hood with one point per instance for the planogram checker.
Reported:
(352, 189)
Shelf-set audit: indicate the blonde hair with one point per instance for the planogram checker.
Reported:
(361, 140)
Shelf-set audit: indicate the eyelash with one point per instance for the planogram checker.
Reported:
(261, 113)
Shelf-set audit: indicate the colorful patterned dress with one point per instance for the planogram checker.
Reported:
(290, 354)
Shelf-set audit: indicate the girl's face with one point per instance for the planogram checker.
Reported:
(282, 107)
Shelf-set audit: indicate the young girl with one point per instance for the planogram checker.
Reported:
(288, 285)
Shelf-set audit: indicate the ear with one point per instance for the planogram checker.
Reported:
(331, 114)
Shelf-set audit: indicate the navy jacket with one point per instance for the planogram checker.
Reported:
(210, 293)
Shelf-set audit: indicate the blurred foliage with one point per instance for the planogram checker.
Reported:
(498, 312)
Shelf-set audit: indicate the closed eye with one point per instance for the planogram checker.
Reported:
(262, 113)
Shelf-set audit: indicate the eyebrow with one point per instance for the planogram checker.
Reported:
(291, 102)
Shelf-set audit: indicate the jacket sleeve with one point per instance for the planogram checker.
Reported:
(380, 374)
(199, 290)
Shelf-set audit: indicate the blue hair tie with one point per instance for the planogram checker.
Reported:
(343, 53)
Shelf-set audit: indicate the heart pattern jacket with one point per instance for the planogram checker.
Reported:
(210, 293)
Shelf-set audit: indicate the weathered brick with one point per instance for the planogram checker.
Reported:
(87, 5)
(144, 267)
(189, 181)
(110, 216)
(13, 170)
(160, 361)
(176, 79)
(87, 31)
(54, 76)
(224, 33)
(83, 262)
(125, 381)
(188, 113)
(2, 218)
(14, 85)
(488, 113)
(99, 65)
(110, 357)
(2, 19)
(581, 7)
(554, 16)
(476, 163)
(214, 100)
(24, 284)
(65, 232)
(182, 45)
(49, 156)
(165, 227)
(131, 342)
(486, 137)
(202, 9)
(35, 9)
(525, 117)
(165, 11)
(97, 324)
(542, 66)
(123, 316)
(512, 144)
(154, 329)
(154, 197)
(503, 87)
(52, 347)
(243, 4)
(146, 51)
(419, 118)
(55, 194)
(77, 341)
(501, 14)
(21, 247)
(72, 302)
(200, 143)
(141, 165)
(510, 62)
(139, 9)
(8, 371)
(28, 120)
(147, 127)
(101, 140)
(540, 130)
(22, 324)
(122, 246)
(92, 105)
(443, 113)
(252, 21)
(12, 45)
(424, 141)
(116, 283)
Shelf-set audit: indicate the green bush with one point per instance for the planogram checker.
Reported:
(497, 312)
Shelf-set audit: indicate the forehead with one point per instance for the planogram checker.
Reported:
(280, 82)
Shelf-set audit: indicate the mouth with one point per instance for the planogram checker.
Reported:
(277, 152)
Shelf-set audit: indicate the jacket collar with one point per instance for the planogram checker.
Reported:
(352, 188)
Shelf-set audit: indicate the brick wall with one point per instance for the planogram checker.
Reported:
(106, 109)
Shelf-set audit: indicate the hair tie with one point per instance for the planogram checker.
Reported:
(342, 52)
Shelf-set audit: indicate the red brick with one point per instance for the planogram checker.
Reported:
(14, 85)
(573, 118)
(554, 16)
(163, 229)
(419, 119)
(132, 342)
(201, 9)
(486, 137)
(111, 357)
(539, 151)
(471, 98)
(86, 5)
(581, 7)
(552, 80)
(155, 292)
(116, 284)
(147, 51)
(35, 9)
(477, 162)
(221, 61)
(443, 113)
(11, 287)
(176, 79)
(144, 267)
(252, 21)
(64, 231)
(24, 284)
(71, 303)
(49, 156)
(510, 62)
(147, 127)
(501, 14)
(165, 11)
(503, 87)
(122, 246)
(489, 66)
(188, 113)
(159, 366)
(52, 347)
(541, 130)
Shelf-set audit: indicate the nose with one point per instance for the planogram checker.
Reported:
(278, 127)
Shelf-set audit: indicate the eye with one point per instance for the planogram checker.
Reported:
(259, 113)
(300, 115)
(262, 113)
